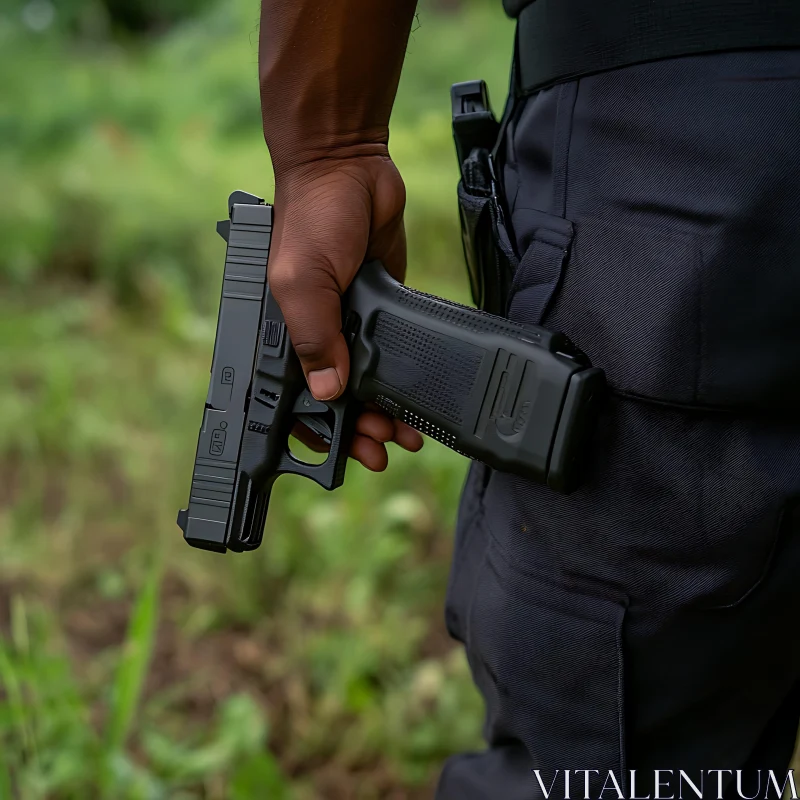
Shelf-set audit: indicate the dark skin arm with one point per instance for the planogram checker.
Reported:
(329, 72)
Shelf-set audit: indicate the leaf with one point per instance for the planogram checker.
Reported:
(132, 671)
(5, 783)
(260, 776)
(241, 732)
(12, 681)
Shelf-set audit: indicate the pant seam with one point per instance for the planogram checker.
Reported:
(567, 96)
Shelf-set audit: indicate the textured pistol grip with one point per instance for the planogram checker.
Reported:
(484, 386)
(421, 369)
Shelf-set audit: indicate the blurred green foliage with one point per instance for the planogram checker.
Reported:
(114, 161)
(100, 20)
(130, 665)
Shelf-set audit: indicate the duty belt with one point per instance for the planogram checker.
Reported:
(560, 40)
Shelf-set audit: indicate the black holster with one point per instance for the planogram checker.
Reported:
(488, 246)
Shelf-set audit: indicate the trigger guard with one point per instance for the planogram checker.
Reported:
(330, 473)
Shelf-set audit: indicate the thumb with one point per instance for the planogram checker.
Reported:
(309, 297)
(319, 242)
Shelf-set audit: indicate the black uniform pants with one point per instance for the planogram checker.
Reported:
(649, 620)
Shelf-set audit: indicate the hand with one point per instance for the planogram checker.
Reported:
(332, 214)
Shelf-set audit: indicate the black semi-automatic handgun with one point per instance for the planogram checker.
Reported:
(517, 397)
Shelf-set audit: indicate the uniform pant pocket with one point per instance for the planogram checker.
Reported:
(548, 660)
(631, 299)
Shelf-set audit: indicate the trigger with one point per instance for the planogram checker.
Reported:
(310, 412)
(318, 425)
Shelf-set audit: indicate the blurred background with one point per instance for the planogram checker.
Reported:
(132, 666)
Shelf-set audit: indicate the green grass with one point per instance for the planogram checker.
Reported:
(115, 162)
(130, 665)
(51, 747)
(333, 626)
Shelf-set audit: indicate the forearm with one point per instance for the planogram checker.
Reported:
(329, 71)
